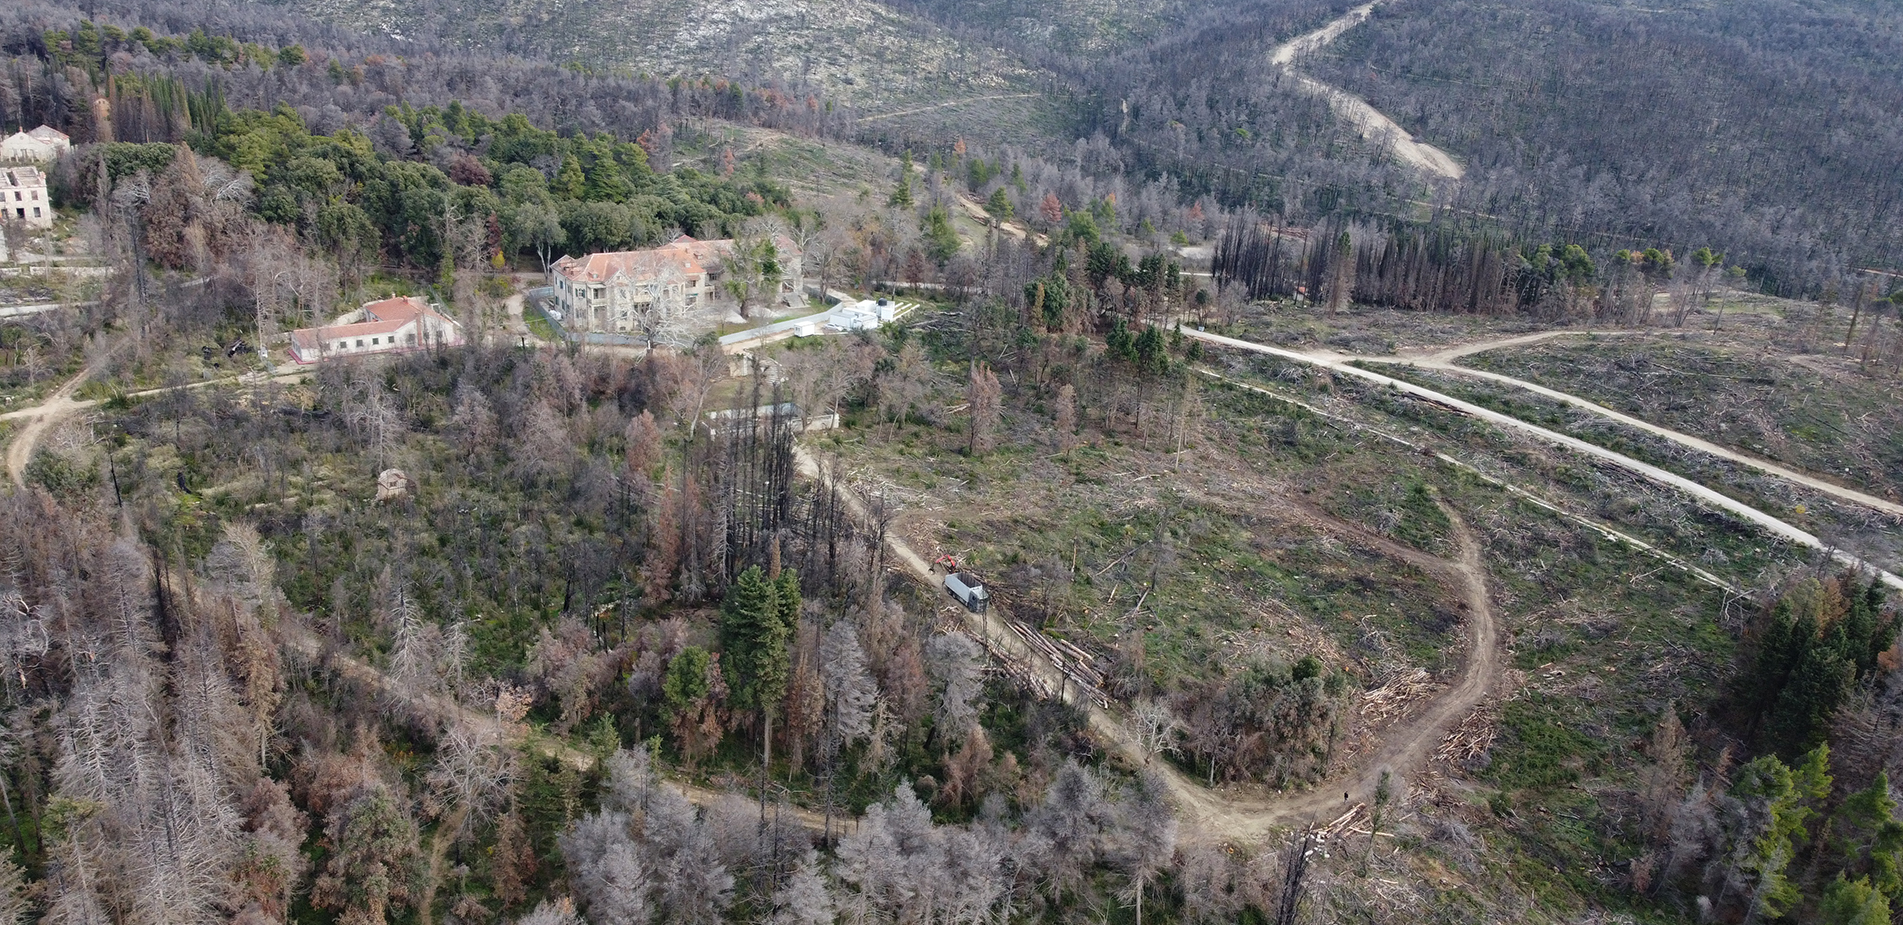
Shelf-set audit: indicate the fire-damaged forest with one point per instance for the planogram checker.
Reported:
(1224, 521)
(239, 690)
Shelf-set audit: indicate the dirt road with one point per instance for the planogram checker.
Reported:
(1012, 227)
(1340, 363)
(1602, 528)
(1308, 42)
(1372, 123)
(973, 99)
(1224, 816)
(1442, 361)
(1406, 746)
(41, 417)
(368, 677)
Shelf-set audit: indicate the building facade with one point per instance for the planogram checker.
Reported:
(639, 292)
(23, 197)
(39, 146)
(394, 325)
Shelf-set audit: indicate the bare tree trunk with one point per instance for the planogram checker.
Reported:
(1856, 312)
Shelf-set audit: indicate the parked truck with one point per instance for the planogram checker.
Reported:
(968, 590)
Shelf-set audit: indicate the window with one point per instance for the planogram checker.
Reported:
(359, 341)
(36, 211)
(36, 196)
(409, 340)
(373, 342)
(342, 345)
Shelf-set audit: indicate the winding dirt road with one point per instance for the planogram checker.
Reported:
(1401, 749)
(1609, 532)
(41, 417)
(1407, 745)
(361, 673)
(1342, 363)
(1370, 121)
(970, 99)
(1221, 815)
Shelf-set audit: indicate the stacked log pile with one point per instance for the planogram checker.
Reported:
(1078, 666)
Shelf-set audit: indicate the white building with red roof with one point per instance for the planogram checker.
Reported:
(23, 197)
(637, 292)
(398, 324)
(38, 146)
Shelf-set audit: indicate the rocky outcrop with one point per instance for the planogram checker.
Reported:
(394, 485)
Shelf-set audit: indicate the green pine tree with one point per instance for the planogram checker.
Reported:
(902, 197)
(999, 205)
(685, 684)
(941, 239)
(753, 640)
(569, 182)
(1869, 838)
(1120, 342)
(1853, 902)
(787, 597)
(1151, 355)
(1785, 796)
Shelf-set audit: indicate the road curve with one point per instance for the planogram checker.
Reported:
(41, 417)
(1706, 496)
(1228, 817)
(1373, 123)
(1609, 532)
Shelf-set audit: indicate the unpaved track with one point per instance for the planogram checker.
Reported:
(1308, 42)
(971, 99)
(1602, 528)
(1406, 746)
(1443, 361)
(41, 417)
(1012, 227)
(1220, 815)
(1372, 122)
(1339, 363)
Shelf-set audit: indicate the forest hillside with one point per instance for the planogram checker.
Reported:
(1512, 543)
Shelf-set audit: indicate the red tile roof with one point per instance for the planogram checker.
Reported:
(397, 308)
(384, 317)
(691, 256)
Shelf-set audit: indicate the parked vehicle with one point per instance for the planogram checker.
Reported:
(968, 590)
